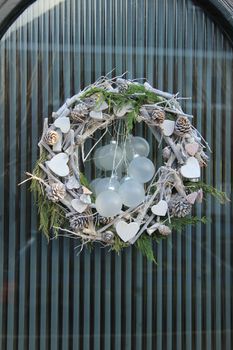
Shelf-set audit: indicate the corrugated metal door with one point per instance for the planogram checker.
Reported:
(49, 297)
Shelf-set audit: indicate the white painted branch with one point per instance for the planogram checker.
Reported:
(166, 95)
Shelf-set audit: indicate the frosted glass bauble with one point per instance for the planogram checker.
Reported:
(125, 178)
(110, 156)
(108, 203)
(107, 183)
(97, 157)
(132, 193)
(136, 145)
(141, 169)
(93, 184)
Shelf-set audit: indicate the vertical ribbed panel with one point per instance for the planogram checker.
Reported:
(49, 297)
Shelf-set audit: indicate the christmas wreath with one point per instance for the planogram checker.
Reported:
(126, 200)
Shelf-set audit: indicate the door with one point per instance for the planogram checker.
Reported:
(50, 298)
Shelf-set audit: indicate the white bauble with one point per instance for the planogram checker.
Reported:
(125, 178)
(106, 183)
(97, 157)
(136, 145)
(108, 203)
(132, 193)
(141, 169)
(93, 184)
(110, 156)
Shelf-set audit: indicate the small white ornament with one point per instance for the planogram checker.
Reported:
(120, 112)
(79, 205)
(98, 115)
(153, 228)
(72, 183)
(63, 124)
(85, 198)
(127, 231)
(191, 169)
(101, 107)
(168, 127)
(160, 209)
(58, 164)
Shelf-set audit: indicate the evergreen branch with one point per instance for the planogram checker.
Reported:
(118, 244)
(145, 245)
(179, 224)
(219, 195)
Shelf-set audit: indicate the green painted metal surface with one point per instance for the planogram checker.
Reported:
(49, 297)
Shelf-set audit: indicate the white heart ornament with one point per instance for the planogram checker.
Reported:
(191, 148)
(72, 183)
(58, 164)
(85, 198)
(120, 112)
(101, 107)
(98, 115)
(191, 169)
(168, 127)
(127, 231)
(63, 124)
(160, 209)
(79, 205)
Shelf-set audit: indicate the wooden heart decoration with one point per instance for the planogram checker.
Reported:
(101, 106)
(85, 198)
(160, 209)
(168, 127)
(191, 198)
(120, 112)
(192, 148)
(58, 164)
(191, 169)
(72, 183)
(98, 115)
(79, 205)
(63, 124)
(127, 231)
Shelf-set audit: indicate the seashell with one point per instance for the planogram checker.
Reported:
(108, 236)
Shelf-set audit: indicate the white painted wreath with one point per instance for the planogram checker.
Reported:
(129, 201)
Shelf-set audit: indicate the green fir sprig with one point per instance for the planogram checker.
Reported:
(208, 189)
(50, 214)
(180, 224)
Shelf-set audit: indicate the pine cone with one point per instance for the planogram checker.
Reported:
(101, 220)
(158, 116)
(182, 126)
(56, 192)
(51, 137)
(78, 221)
(108, 236)
(179, 206)
(164, 230)
(79, 112)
